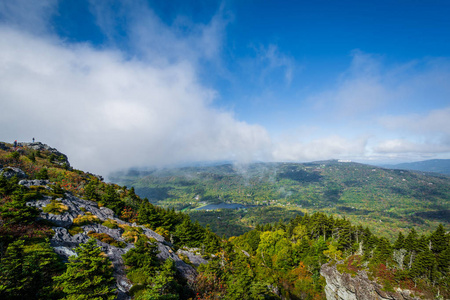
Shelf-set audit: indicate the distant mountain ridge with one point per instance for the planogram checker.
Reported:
(441, 166)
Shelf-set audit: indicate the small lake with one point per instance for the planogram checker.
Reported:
(222, 205)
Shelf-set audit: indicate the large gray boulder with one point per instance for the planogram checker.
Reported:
(35, 182)
(9, 172)
(359, 287)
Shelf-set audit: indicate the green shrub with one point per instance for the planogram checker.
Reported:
(55, 207)
(132, 234)
(15, 155)
(106, 238)
(32, 156)
(110, 224)
(42, 174)
(75, 230)
(88, 218)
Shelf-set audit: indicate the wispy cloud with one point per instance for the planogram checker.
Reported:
(149, 38)
(273, 60)
(33, 16)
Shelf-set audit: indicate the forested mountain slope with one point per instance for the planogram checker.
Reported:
(120, 246)
(388, 201)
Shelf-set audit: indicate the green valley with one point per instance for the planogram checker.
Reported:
(387, 201)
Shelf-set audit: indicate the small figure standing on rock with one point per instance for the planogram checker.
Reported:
(33, 140)
(15, 143)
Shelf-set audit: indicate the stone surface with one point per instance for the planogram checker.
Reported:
(360, 287)
(43, 147)
(3, 146)
(9, 172)
(64, 243)
(35, 182)
(194, 258)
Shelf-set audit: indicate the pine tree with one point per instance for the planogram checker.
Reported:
(399, 243)
(142, 257)
(17, 272)
(88, 275)
(411, 240)
(163, 286)
(112, 200)
(90, 191)
(26, 271)
(438, 239)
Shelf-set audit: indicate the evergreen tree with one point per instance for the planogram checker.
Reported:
(149, 215)
(423, 264)
(163, 286)
(383, 251)
(439, 241)
(411, 240)
(90, 191)
(16, 211)
(142, 257)
(112, 200)
(400, 242)
(17, 272)
(88, 275)
(26, 271)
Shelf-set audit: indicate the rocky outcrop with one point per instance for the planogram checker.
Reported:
(358, 287)
(38, 146)
(9, 172)
(193, 255)
(35, 182)
(64, 243)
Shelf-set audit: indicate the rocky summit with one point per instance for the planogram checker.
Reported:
(64, 242)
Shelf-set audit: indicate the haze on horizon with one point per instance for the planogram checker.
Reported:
(118, 84)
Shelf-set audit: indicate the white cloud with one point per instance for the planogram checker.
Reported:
(425, 133)
(435, 122)
(106, 112)
(406, 146)
(270, 60)
(320, 149)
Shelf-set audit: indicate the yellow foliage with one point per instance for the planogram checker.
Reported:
(333, 252)
(55, 207)
(131, 234)
(86, 219)
(163, 232)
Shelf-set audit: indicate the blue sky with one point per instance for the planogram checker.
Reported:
(116, 84)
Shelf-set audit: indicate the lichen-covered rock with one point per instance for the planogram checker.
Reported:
(360, 287)
(194, 258)
(3, 146)
(35, 182)
(64, 243)
(9, 172)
